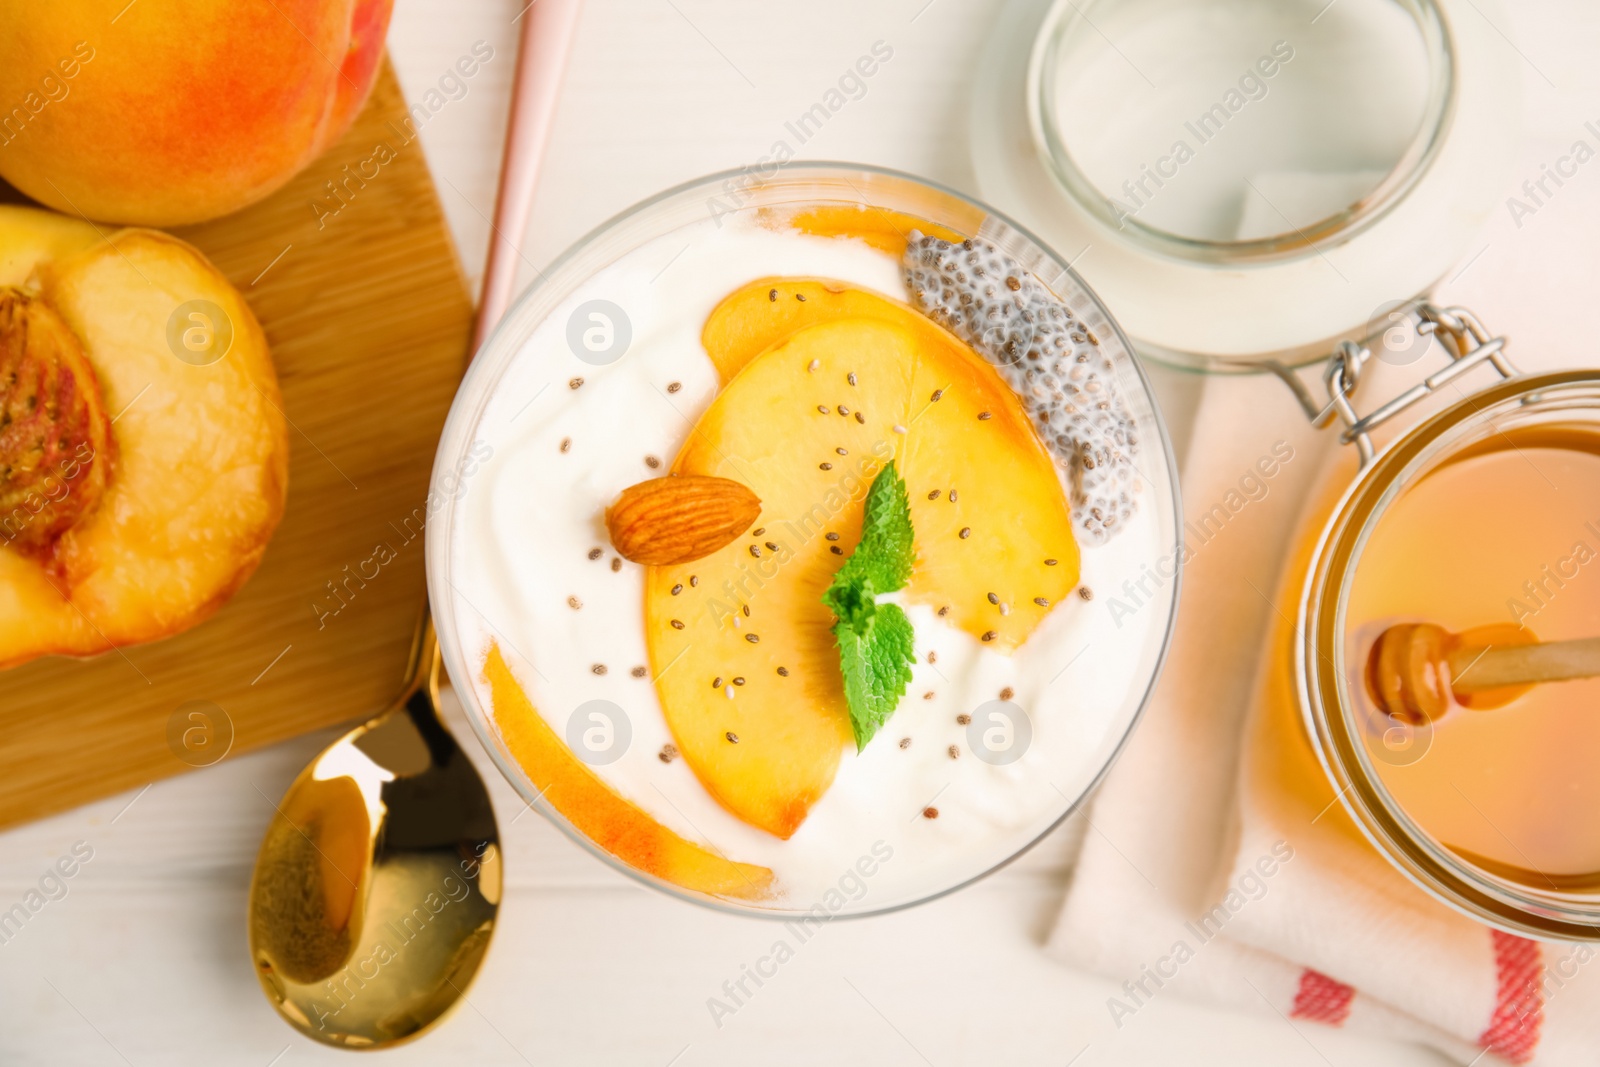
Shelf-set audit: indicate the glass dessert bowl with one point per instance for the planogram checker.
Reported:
(804, 544)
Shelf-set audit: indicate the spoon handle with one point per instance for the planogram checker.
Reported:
(547, 29)
(1473, 670)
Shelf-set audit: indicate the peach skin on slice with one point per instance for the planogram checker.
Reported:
(597, 810)
(740, 641)
(753, 319)
(887, 231)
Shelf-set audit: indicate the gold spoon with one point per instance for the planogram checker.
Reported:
(1415, 669)
(375, 893)
(377, 885)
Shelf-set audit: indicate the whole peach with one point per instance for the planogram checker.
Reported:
(163, 112)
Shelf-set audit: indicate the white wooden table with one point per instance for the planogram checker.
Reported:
(143, 961)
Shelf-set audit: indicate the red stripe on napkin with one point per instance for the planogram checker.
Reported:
(1322, 999)
(1519, 1010)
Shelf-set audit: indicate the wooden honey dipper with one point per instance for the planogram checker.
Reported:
(1414, 669)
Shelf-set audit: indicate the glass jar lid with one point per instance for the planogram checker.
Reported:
(1294, 130)
(1249, 180)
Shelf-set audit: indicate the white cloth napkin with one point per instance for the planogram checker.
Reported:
(1219, 864)
(1333, 933)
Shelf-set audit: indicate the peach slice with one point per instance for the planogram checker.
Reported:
(758, 316)
(753, 319)
(746, 666)
(598, 811)
(887, 231)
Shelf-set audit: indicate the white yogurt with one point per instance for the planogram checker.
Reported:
(531, 514)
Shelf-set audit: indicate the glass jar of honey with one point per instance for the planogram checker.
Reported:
(1482, 524)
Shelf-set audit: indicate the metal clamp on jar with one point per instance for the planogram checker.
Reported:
(1448, 655)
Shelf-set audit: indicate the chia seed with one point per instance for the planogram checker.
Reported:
(1065, 380)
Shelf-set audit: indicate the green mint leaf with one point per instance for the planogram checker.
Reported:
(877, 668)
(885, 550)
(875, 640)
(881, 562)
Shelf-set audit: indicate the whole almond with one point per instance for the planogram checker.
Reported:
(679, 518)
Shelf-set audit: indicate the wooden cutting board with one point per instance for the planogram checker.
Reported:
(368, 317)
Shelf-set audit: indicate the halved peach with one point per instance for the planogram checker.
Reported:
(746, 665)
(598, 811)
(199, 468)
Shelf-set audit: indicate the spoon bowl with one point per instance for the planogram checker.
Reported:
(378, 882)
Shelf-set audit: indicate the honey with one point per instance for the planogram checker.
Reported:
(1505, 534)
